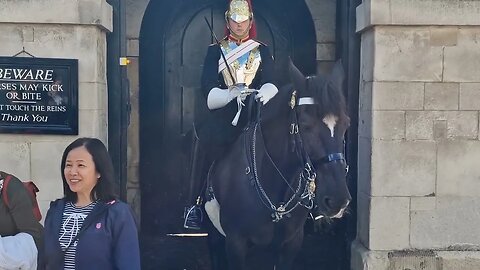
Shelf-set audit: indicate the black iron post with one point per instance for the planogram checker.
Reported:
(118, 95)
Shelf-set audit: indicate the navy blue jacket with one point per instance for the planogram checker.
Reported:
(110, 242)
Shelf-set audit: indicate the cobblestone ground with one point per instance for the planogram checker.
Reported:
(325, 251)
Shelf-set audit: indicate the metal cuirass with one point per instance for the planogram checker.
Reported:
(244, 68)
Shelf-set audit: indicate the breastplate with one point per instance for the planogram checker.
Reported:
(244, 68)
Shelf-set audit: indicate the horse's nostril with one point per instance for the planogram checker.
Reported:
(328, 202)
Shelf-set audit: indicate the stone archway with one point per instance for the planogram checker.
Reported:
(172, 47)
(169, 77)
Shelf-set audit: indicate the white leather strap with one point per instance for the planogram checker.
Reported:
(306, 101)
(236, 53)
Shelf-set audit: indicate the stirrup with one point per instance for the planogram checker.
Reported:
(194, 216)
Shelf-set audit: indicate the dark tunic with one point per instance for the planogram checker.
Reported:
(215, 127)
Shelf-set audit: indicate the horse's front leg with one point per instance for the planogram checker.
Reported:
(288, 251)
(236, 247)
(216, 245)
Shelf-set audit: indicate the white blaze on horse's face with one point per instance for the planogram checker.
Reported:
(331, 121)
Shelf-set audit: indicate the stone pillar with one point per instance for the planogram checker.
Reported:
(418, 180)
(134, 15)
(57, 29)
(324, 17)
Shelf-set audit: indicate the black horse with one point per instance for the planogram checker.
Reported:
(288, 163)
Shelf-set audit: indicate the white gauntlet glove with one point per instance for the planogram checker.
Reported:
(218, 98)
(266, 92)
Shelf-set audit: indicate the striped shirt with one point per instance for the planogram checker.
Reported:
(72, 221)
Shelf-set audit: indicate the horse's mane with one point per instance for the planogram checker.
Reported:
(330, 98)
(278, 105)
(327, 91)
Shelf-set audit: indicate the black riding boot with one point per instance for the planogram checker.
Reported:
(194, 214)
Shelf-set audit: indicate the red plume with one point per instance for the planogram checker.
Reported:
(253, 29)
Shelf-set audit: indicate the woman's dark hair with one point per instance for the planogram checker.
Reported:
(105, 189)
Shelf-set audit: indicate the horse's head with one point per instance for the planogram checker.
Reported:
(322, 123)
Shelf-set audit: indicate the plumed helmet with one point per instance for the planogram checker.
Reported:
(239, 11)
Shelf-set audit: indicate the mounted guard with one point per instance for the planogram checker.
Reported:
(234, 68)
(288, 163)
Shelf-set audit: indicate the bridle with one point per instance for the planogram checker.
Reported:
(304, 194)
(297, 138)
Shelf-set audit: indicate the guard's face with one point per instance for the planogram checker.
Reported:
(239, 29)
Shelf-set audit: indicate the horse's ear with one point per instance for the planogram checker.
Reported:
(296, 76)
(338, 74)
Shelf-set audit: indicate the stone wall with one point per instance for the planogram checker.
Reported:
(418, 179)
(57, 29)
(135, 10)
(324, 17)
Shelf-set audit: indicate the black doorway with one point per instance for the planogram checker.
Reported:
(173, 42)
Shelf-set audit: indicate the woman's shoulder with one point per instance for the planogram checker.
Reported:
(117, 206)
(116, 203)
(118, 210)
(58, 203)
(55, 208)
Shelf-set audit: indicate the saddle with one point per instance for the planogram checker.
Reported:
(193, 215)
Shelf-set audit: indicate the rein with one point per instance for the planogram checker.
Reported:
(304, 194)
(306, 179)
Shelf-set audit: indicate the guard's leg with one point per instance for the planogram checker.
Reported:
(193, 213)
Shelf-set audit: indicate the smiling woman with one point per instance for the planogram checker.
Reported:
(81, 175)
(89, 228)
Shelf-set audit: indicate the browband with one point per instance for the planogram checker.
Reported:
(306, 101)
